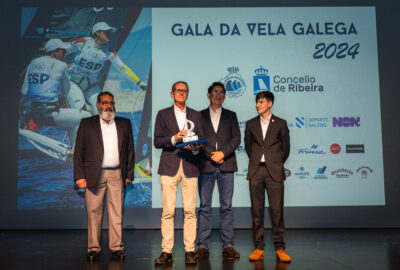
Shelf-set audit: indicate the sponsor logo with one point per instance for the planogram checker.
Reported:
(364, 171)
(288, 173)
(310, 122)
(342, 173)
(296, 84)
(234, 84)
(313, 150)
(321, 173)
(241, 149)
(346, 121)
(335, 148)
(302, 173)
(261, 80)
(355, 148)
(242, 174)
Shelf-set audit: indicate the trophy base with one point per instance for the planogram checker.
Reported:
(196, 142)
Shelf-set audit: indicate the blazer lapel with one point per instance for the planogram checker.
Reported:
(258, 129)
(97, 128)
(172, 117)
(222, 120)
(270, 126)
(208, 120)
(119, 133)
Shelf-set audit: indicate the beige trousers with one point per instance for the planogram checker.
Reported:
(111, 182)
(189, 191)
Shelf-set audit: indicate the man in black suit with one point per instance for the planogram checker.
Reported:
(267, 144)
(104, 159)
(177, 165)
(217, 163)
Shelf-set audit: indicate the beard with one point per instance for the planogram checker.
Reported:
(106, 114)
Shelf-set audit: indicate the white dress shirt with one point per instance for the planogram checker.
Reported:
(215, 117)
(110, 144)
(180, 116)
(264, 128)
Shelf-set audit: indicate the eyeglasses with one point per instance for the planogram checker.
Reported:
(215, 92)
(180, 91)
(112, 103)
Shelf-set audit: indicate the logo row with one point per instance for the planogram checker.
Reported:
(315, 149)
(322, 173)
(235, 85)
(302, 122)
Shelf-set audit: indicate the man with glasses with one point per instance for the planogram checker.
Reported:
(104, 161)
(217, 164)
(177, 165)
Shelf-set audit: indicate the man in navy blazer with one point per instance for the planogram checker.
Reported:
(177, 165)
(104, 161)
(267, 144)
(217, 164)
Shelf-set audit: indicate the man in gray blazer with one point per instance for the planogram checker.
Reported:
(267, 144)
(177, 165)
(104, 161)
(217, 164)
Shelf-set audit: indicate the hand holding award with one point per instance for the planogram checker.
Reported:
(190, 139)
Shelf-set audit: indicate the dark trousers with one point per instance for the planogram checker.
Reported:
(225, 189)
(258, 183)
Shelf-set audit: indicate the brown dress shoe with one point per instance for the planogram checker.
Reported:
(282, 256)
(164, 258)
(229, 252)
(257, 255)
(190, 258)
(202, 252)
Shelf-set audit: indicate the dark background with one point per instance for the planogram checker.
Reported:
(388, 30)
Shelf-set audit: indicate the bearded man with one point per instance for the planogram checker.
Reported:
(104, 160)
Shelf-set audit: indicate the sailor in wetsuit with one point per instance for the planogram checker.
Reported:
(46, 84)
(90, 55)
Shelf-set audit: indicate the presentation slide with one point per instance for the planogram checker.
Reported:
(321, 64)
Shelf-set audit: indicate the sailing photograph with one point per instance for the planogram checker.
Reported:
(70, 55)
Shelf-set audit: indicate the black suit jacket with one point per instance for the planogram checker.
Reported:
(275, 147)
(89, 150)
(165, 127)
(227, 137)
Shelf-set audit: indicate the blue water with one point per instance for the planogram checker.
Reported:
(46, 182)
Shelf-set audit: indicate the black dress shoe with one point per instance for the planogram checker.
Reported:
(164, 258)
(202, 252)
(229, 252)
(92, 255)
(190, 258)
(118, 255)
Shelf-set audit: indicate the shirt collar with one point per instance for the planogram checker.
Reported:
(177, 109)
(105, 123)
(219, 110)
(267, 120)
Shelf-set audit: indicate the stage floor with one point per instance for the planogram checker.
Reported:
(321, 249)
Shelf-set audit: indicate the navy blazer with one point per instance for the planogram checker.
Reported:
(165, 127)
(227, 137)
(275, 146)
(89, 150)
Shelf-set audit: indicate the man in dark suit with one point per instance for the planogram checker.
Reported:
(177, 165)
(104, 159)
(217, 163)
(267, 144)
